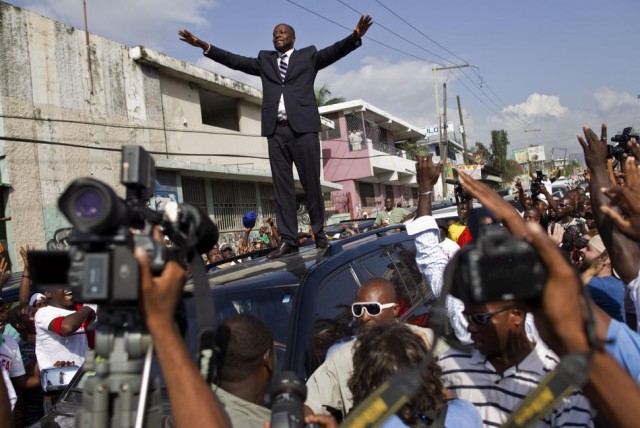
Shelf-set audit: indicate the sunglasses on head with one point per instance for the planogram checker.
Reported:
(373, 308)
(483, 319)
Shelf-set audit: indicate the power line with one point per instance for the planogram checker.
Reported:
(396, 34)
(184, 154)
(349, 29)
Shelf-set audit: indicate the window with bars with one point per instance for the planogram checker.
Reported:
(193, 192)
(231, 200)
(389, 192)
(367, 196)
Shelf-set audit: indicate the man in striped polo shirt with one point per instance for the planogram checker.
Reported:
(504, 366)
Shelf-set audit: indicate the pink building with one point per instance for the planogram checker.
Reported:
(365, 153)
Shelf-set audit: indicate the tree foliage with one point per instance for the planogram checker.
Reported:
(324, 98)
(499, 144)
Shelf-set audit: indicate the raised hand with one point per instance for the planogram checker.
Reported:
(595, 149)
(427, 173)
(5, 274)
(627, 199)
(187, 37)
(363, 25)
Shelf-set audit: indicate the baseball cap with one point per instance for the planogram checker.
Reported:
(36, 298)
(249, 219)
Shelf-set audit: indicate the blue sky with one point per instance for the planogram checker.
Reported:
(549, 65)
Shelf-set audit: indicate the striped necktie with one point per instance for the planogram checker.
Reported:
(283, 66)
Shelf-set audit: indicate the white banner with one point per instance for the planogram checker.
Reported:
(475, 171)
(536, 153)
(520, 156)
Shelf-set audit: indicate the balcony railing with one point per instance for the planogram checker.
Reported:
(385, 148)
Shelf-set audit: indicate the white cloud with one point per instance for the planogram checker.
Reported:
(609, 100)
(403, 89)
(133, 22)
(537, 106)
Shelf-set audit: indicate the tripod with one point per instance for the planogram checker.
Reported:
(111, 396)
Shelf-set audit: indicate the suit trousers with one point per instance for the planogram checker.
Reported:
(287, 148)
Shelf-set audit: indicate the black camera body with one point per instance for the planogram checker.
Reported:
(100, 266)
(496, 267)
(619, 149)
(461, 194)
(536, 185)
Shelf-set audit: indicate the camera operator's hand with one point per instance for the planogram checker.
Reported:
(160, 295)
(501, 209)
(191, 399)
(627, 198)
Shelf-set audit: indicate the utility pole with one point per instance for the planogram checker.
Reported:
(434, 68)
(445, 146)
(462, 131)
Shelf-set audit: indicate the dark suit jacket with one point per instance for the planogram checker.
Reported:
(299, 96)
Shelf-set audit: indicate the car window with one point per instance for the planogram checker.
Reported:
(272, 305)
(332, 316)
(398, 265)
(381, 265)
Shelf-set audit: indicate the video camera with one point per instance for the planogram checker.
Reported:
(497, 266)
(100, 266)
(618, 150)
(462, 196)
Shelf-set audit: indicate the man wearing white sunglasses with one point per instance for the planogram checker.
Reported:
(375, 304)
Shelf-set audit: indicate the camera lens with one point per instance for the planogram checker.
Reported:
(88, 204)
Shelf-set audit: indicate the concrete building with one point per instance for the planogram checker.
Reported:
(68, 103)
(363, 154)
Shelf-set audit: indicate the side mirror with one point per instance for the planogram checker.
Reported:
(55, 379)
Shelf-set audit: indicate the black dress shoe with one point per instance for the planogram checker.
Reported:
(283, 249)
(322, 242)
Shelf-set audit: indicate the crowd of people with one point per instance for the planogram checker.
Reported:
(587, 239)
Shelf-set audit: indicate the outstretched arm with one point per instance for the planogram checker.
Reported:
(363, 25)
(187, 37)
(231, 60)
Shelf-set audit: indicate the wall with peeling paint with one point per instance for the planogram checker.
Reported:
(46, 94)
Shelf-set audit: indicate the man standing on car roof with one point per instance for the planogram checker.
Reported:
(290, 118)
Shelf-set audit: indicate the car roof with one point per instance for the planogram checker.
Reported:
(290, 269)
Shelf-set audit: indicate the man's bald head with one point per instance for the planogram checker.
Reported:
(381, 291)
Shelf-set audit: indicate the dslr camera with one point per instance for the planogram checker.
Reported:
(495, 267)
(619, 149)
(100, 266)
